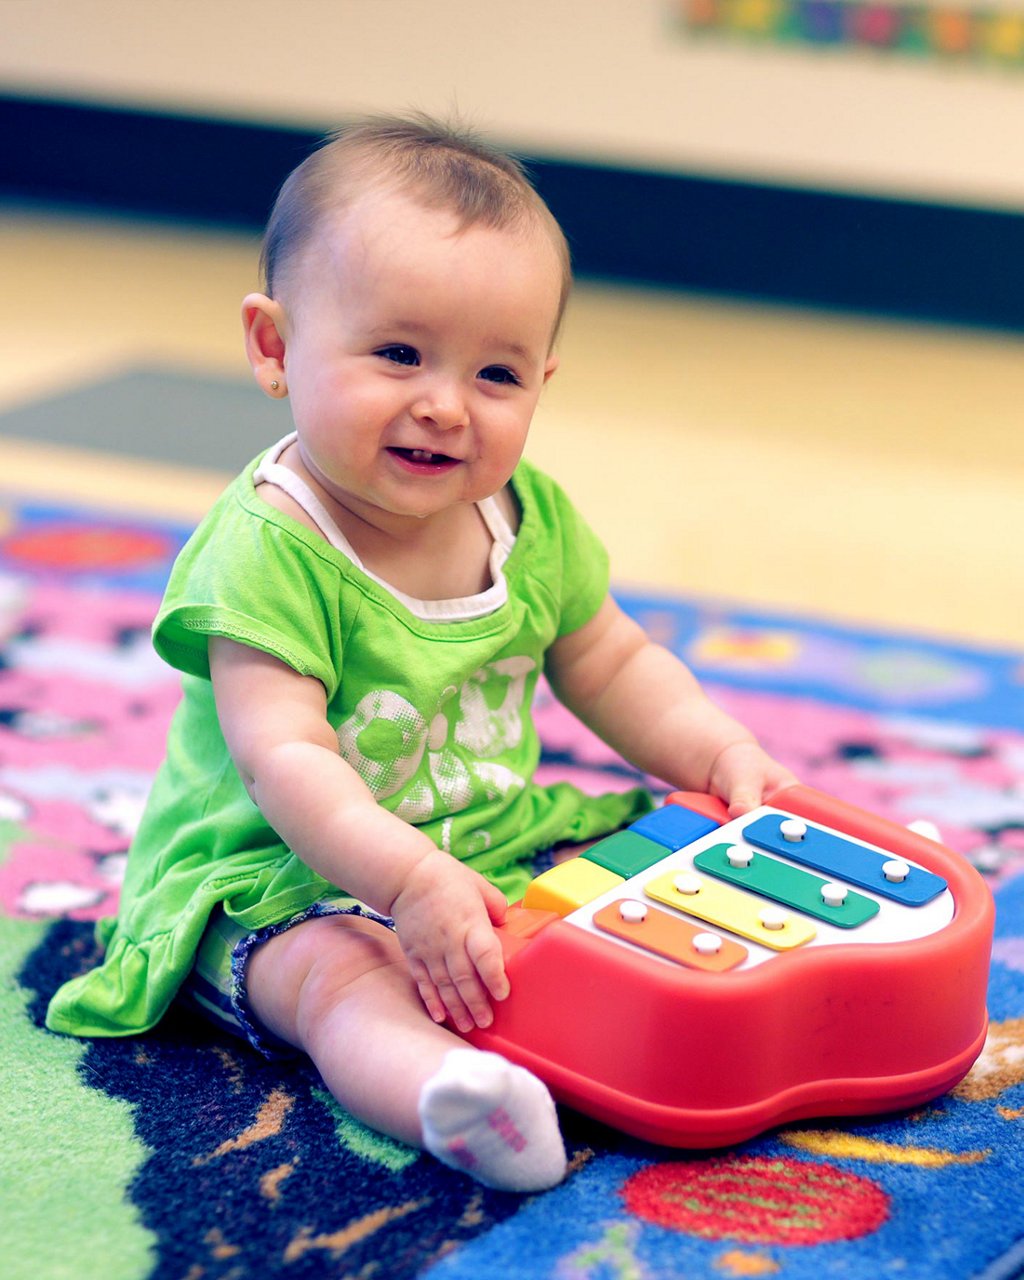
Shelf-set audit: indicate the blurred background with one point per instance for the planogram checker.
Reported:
(793, 367)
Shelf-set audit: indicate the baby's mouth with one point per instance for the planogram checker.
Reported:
(423, 457)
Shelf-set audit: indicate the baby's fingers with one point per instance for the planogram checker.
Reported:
(743, 798)
(756, 787)
(485, 954)
(464, 995)
(428, 991)
(454, 995)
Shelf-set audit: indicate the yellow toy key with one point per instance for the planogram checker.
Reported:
(569, 885)
(732, 909)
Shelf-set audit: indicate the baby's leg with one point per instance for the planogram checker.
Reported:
(338, 988)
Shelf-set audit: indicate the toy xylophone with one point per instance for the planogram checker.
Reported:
(695, 980)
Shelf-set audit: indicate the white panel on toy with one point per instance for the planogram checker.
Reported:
(762, 885)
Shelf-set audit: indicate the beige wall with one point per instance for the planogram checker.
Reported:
(608, 79)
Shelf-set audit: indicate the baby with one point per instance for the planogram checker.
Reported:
(347, 804)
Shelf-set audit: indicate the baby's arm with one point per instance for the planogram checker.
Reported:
(650, 707)
(275, 723)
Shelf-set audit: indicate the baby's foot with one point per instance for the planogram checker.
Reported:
(494, 1121)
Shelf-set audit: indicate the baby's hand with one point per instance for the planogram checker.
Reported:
(744, 775)
(444, 917)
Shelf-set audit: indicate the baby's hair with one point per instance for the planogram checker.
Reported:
(444, 166)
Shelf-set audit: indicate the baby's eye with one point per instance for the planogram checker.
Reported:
(399, 354)
(500, 374)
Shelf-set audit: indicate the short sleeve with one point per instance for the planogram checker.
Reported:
(255, 579)
(566, 555)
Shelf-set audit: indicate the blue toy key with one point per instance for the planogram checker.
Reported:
(674, 826)
(836, 856)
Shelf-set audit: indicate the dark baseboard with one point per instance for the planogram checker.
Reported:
(930, 262)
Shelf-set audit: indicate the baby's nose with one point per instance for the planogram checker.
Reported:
(444, 406)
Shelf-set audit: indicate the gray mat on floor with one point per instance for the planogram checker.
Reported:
(187, 418)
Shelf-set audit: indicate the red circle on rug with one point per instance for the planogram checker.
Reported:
(758, 1200)
(73, 546)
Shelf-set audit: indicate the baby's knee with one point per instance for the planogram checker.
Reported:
(351, 963)
(296, 979)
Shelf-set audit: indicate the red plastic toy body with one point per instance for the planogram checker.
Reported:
(796, 986)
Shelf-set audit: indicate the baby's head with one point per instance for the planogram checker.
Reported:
(415, 283)
(439, 166)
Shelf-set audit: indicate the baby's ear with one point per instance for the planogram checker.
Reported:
(264, 328)
(551, 366)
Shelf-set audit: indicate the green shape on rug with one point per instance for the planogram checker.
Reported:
(68, 1153)
(11, 833)
(364, 1141)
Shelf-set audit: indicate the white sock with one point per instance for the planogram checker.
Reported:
(493, 1120)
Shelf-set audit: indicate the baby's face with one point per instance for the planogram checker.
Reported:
(415, 355)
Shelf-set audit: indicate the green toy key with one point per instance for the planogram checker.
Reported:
(824, 899)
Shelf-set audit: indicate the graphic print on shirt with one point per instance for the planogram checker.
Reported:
(450, 762)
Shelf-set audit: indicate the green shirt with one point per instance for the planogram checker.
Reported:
(433, 715)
